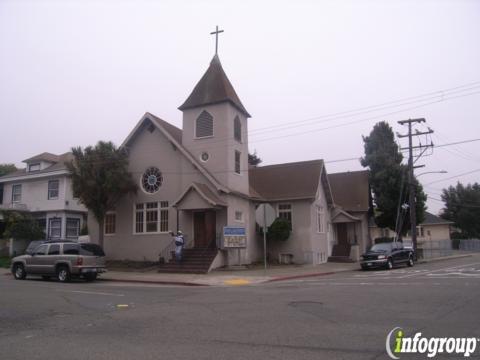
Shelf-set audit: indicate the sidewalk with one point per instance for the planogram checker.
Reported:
(224, 277)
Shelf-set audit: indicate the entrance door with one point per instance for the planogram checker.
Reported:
(204, 228)
(343, 247)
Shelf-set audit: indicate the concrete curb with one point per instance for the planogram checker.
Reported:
(158, 282)
(293, 277)
(423, 261)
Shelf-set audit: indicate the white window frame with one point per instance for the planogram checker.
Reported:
(162, 208)
(77, 228)
(50, 227)
(49, 197)
(114, 214)
(320, 219)
(30, 166)
(239, 162)
(213, 126)
(16, 186)
(236, 121)
(240, 218)
(285, 211)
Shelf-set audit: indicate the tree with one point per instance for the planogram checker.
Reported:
(21, 226)
(7, 169)
(388, 178)
(462, 206)
(100, 178)
(253, 159)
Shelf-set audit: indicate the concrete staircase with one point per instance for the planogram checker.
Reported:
(340, 254)
(195, 261)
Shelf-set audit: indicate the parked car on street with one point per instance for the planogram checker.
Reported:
(61, 259)
(387, 255)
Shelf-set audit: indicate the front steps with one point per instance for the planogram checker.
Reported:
(195, 261)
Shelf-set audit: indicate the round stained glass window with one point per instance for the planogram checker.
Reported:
(152, 180)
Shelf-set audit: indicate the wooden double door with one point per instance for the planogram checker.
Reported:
(204, 225)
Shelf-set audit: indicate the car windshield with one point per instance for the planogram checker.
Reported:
(381, 247)
(32, 246)
(91, 250)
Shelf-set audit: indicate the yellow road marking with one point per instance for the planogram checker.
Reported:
(237, 282)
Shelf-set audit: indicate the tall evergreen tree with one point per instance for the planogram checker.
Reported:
(100, 178)
(388, 178)
(462, 206)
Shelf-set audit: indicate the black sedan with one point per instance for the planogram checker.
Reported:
(386, 255)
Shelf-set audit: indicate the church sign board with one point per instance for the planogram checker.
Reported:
(234, 237)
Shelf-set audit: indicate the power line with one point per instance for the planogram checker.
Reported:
(453, 177)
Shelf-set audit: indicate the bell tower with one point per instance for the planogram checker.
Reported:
(215, 128)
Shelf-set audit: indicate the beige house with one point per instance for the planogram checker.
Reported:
(350, 217)
(432, 229)
(197, 179)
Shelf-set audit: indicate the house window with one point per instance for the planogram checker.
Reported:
(16, 193)
(238, 216)
(151, 217)
(53, 186)
(73, 228)
(237, 129)
(285, 212)
(237, 161)
(204, 125)
(320, 219)
(34, 167)
(420, 231)
(54, 228)
(110, 220)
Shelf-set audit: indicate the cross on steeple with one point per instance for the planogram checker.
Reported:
(216, 32)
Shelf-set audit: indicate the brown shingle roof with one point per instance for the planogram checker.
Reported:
(214, 87)
(431, 219)
(45, 156)
(289, 181)
(350, 190)
(172, 129)
(58, 165)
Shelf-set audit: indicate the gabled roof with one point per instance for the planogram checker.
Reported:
(174, 135)
(350, 190)
(341, 216)
(59, 165)
(213, 88)
(431, 219)
(205, 193)
(290, 181)
(45, 156)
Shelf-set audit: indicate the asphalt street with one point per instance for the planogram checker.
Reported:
(341, 316)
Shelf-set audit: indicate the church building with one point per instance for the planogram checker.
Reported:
(198, 180)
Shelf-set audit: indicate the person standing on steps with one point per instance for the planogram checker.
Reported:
(179, 243)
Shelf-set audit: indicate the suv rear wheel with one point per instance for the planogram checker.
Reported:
(410, 261)
(63, 274)
(19, 272)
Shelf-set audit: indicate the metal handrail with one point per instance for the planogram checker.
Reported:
(163, 255)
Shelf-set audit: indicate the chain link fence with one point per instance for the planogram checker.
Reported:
(434, 248)
(469, 244)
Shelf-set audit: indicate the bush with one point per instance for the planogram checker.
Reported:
(279, 230)
(21, 226)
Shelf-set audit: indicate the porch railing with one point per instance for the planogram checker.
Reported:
(166, 252)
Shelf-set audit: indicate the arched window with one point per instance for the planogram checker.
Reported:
(204, 125)
(237, 129)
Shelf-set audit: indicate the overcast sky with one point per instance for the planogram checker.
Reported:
(75, 72)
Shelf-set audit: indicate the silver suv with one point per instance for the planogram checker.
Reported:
(61, 259)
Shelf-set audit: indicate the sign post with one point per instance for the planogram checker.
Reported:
(265, 215)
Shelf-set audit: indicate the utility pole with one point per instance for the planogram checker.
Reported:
(411, 177)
